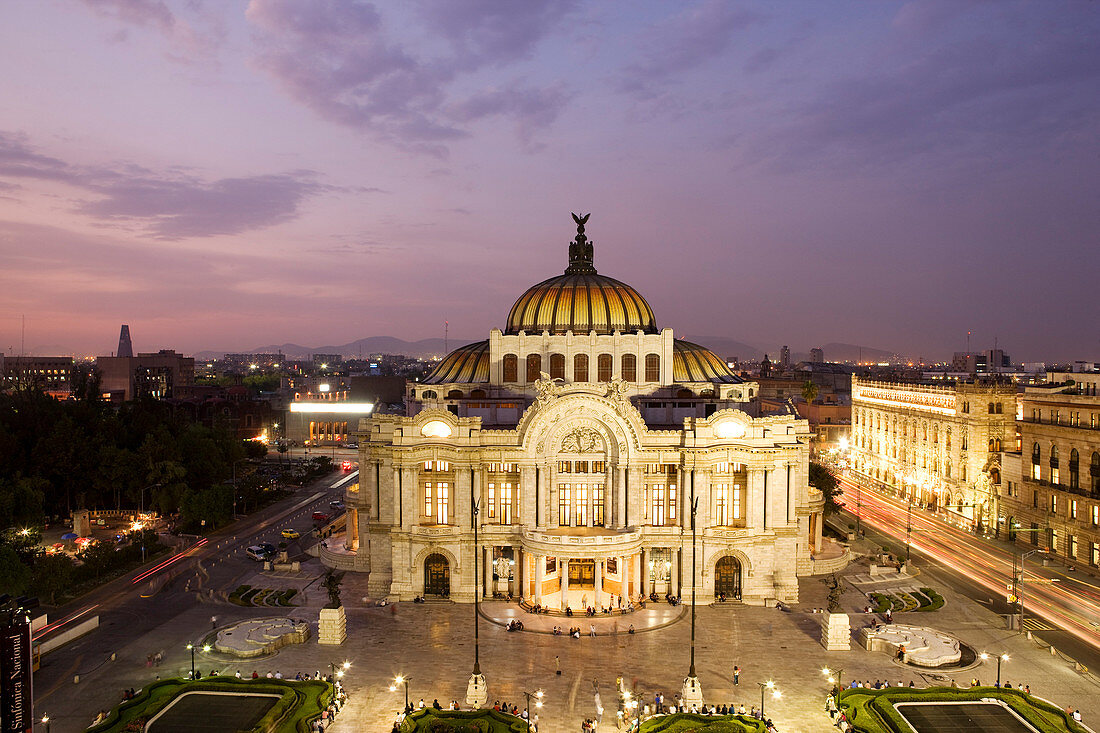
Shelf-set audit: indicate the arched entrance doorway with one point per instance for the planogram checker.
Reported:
(437, 575)
(727, 577)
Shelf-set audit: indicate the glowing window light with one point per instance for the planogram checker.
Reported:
(436, 429)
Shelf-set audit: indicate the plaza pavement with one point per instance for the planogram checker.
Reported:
(432, 645)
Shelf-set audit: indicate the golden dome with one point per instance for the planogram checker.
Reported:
(695, 363)
(466, 364)
(581, 300)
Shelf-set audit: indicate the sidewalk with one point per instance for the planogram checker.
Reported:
(655, 615)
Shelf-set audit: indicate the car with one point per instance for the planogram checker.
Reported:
(337, 504)
(290, 534)
(346, 465)
(321, 517)
(256, 552)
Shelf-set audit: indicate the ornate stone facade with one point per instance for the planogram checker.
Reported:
(939, 445)
(581, 455)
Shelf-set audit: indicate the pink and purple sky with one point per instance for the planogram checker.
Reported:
(222, 175)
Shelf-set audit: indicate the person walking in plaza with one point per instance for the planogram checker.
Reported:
(736, 675)
(557, 665)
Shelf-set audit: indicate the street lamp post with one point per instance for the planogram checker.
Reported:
(766, 687)
(339, 672)
(476, 692)
(908, 529)
(191, 648)
(399, 679)
(537, 694)
(1000, 658)
(692, 693)
(834, 677)
(1018, 571)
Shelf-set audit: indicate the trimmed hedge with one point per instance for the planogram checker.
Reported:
(299, 704)
(935, 598)
(702, 724)
(873, 711)
(481, 721)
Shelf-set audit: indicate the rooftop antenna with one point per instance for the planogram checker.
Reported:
(23, 339)
(967, 342)
(446, 342)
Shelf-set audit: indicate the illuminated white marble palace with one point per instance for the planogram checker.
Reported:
(582, 431)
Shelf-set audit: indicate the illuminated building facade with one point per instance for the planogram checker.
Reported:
(1051, 494)
(51, 374)
(581, 432)
(939, 445)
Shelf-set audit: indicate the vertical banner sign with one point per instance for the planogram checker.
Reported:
(16, 700)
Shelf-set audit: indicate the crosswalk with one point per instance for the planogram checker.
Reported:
(1036, 624)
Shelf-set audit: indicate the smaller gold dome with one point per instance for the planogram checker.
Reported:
(464, 365)
(695, 363)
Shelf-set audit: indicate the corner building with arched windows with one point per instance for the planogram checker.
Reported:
(581, 432)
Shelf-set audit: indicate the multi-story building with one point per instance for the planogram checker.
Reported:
(582, 440)
(51, 374)
(1051, 495)
(939, 445)
(160, 375)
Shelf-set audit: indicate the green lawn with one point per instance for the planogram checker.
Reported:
(467, 721)
(299, 702)
(702, 724)
(873, 711)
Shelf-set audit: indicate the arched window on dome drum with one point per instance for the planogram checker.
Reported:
(557, 366)
(652, 368)
(603, 368)
(455, 394)
(534, 367)
(478, 394)
(630, 368)
(428, 394)
(580, 368)
(511, 368)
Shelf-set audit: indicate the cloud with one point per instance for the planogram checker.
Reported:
(338, 58)
(683, 42)
(169, 205)
(149, 13)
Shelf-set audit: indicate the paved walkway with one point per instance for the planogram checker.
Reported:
(432, 645)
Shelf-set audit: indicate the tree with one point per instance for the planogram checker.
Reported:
(14, 575)
(809, 391)
(51, 574)
(98, 557)
(825, 482)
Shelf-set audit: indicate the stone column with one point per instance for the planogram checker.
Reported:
(552, 479)
(540, 570)
(755, 508)
(397, 496)
(461, 510)
(599, 585)
(525, 512)
(676, 572)
(351, 532)
(564, 572)
(634, 480)
(643, 572)
(624, 516)
(624, 586)
(410, 499)
(702, 493)
(520, 590)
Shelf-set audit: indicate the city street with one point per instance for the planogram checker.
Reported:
(1061, 606)
(142, 617)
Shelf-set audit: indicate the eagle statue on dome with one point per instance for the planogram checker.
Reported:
(581, 221)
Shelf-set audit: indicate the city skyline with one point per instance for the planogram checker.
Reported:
(222, 176)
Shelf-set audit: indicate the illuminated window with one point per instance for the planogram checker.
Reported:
(563, 505)
(506, 503)
(630, 368)
(442, 502)
(652, 368)
(597, 505)
(657, 507)
(603, 368)
(1074, 469)
(557, 366)
(721, 505)
(492, 508)
(580, 368)
(511, 368)
(1073, 509)
(1053, 503)
(581, 504)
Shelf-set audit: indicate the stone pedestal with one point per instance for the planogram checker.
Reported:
(332, 626)
(477, 694)
(836, 634)
(692, 693)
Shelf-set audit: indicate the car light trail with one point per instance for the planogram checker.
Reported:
(1069, 604)
(170, 561)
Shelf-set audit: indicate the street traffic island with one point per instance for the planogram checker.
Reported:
(260, 636)
(937, 709)
(215, 705)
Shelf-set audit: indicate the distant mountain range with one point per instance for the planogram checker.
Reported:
(365, 347)
(724, 347)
